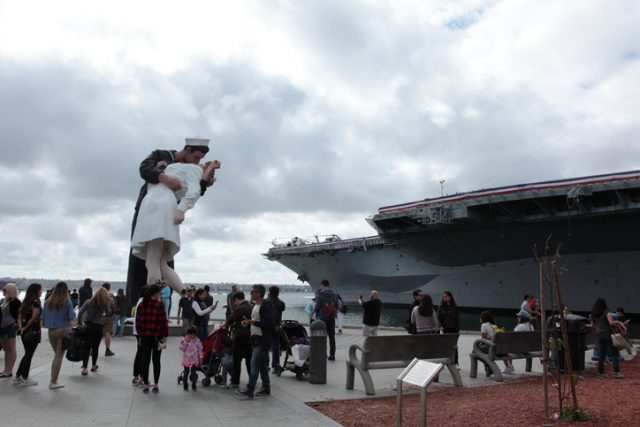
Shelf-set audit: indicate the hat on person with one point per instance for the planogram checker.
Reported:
(196, 142)
(524, 314)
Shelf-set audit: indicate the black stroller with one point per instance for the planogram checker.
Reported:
(293, 334)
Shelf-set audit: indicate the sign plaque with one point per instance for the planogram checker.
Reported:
(419, 373)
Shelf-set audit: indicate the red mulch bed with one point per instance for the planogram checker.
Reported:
(610, 402)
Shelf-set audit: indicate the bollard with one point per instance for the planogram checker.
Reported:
(318, 353)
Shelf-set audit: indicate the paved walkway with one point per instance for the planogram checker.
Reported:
(107, 398)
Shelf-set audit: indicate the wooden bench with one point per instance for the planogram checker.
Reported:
(397, 351)
(506, 345)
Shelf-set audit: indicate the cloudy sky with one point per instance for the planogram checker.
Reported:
(320, 112)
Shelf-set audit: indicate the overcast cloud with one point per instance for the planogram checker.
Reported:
(320, 112)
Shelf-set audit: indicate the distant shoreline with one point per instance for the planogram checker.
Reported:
(23, 283)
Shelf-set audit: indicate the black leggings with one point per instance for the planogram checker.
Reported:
(25, 363)
(92, 339)
(189, 373)
(148, 352)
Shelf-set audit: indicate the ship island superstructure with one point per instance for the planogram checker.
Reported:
(480, 245)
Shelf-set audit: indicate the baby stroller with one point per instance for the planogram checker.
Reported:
(211, 360)
(295, 342)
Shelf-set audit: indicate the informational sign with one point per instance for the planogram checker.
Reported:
(422, 373)
(419, 373)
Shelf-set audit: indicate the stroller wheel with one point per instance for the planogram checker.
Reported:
(299, 375)
(179, 379)
(218, 379)
(206, 382)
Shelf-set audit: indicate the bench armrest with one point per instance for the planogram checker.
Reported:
(479, 341)
(353, 358)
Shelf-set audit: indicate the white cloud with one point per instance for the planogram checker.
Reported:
(321, 112)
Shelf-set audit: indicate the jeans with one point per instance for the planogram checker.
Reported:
(259, 366)
(186, 324)
(241, 350)
(605, 346)
(275, 351)
(148, 352)
(331, 334)
(92, 339)
(203, 332)
(118, 323)
(25, 363)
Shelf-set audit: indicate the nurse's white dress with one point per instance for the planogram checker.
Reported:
(159, 206)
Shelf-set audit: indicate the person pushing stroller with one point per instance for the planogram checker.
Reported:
(191, 358)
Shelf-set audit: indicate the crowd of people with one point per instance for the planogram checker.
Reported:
(253, 322)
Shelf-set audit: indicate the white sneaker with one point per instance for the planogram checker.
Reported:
(17, 380)
(54, 386)
(28, 381)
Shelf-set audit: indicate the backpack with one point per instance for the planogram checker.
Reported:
(329, 311)
(496, 329)
(74, 343)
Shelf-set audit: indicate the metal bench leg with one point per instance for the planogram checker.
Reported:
(528, 364)
(455, 374)
(350, 376)
(473, 373)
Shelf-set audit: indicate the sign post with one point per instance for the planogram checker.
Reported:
(419, 373)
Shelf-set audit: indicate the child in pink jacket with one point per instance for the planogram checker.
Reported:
(191, 358)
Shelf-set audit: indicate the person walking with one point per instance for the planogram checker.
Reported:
(278, 306)
(94, 327)
(57, 315)
(137, 360)
(202, 313)
(241, 347)
(10, 305)
(262, 325)
(85, 293)
(424, 318)
(121, 312)
(107, 321)
(185, 310)
(29, 328)
(417, 296)
(604, 326)
(449, 317)
(152, 327)
(371, 314)
(342, 310)
(74, 297)
(165, 298)
(231, 301)
(326, 309)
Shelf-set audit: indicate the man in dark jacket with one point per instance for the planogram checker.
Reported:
(151, 170)
(86, 292)
(417, 296)
(262, 326)
(279, 307)
(241, 346)
(326, 309)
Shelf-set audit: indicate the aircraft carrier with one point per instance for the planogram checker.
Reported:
(479, 246)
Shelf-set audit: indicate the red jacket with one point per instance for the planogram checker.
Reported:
(151, 320)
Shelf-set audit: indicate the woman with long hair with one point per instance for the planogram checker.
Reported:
(10, 305)
(449, 316)
(57, 315)
(120, 302)
(604, 326)
(424, 318)
(202, 313)
(152, 327)
(29, 327)
(95, 309)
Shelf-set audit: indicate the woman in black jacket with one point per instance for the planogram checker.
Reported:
(449, 316)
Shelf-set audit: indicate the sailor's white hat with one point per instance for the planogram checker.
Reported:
(197, 141)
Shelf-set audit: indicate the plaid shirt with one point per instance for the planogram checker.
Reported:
(151, 320)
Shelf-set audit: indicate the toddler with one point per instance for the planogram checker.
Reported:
(191, 358)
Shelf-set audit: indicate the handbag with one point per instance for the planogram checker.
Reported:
(618, 341)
